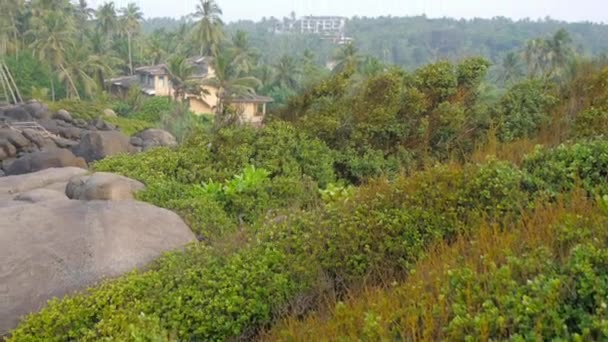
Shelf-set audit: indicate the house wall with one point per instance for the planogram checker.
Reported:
(198, 106)
(249, 112)
(163, 86)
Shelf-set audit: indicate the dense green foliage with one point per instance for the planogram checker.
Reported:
(423, 186)
(376, 233)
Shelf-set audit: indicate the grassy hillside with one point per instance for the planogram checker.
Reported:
(410, 205)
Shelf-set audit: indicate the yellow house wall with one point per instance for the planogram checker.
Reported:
(198, 106)
(163, 88)
(248, 112)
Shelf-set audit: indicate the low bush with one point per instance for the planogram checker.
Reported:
(560, 169)
(546, 279)
(128, 126)
(86, 110)
(195, 295)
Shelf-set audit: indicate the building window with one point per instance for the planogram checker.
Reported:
(162, 80)
(259, 109)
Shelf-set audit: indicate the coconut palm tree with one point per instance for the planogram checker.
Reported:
(287, 73)
(561, 51)
(347, 56)
(510, 68)
(99, 46)
(228, 82)
(208, 29)
(9, 32)
(52, 35)
(81, 67)
(244, 55)
(181, 71)
(107, 20)
(130, 24)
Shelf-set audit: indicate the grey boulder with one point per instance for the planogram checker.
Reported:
(64, 115)
(40, 195)
(14, 137)
(97, 145)
(45, 159)
(102, 186)
(53, 248)
(153, 137)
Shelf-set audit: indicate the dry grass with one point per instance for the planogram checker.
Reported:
(416, 310)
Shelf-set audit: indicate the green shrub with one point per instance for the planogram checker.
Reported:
(86, 110)
(128, 126)
(194, 295)
(152, 108)
(590, 123)
(524, 108)
(560, 169)
(205, 216)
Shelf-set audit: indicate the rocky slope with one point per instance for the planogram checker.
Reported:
(52, 245)
(56, 139)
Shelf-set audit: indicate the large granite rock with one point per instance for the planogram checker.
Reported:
(7, 150)
(153, 137)
(17, 113)
(14, 137)
(13, 185)
(32, 162)
(98, 145)
(52, 248)
(40, 195)
(63, 115)
(102, 186)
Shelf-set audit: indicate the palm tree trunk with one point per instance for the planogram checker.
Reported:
(72, 84)
(130, 55)
(52, 89)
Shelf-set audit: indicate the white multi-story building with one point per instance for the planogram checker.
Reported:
(329, 27)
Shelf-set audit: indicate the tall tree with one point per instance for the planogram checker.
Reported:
(244, 55)
(287, 73)
(130, 24)
(9, 31)
(510, 68)
(53, 34)
(347, 56)
(208, 29)
(181, 72)
(107, 20)
(228, 82)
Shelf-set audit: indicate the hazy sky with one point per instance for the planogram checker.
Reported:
(569, 10)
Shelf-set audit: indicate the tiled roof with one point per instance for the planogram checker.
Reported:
(248, 98)
(160, 69)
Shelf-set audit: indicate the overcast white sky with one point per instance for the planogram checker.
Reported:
(569, 10)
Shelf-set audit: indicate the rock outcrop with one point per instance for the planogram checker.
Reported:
(32, 127)
(102, 186)
(52, 246)
(153, 137)
(100, 144)
(55, 157)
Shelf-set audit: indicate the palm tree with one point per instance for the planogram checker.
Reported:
(287, 73)
(52, 35)
(82, 66)
(83, 13)
(561, 51)
(228, 82)
(98, 46)
(208, 30)
(244, 55)
(130, 20)
(9, 32)
(181, 72)
(347, 56)
(107, 21)
(510, 68)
